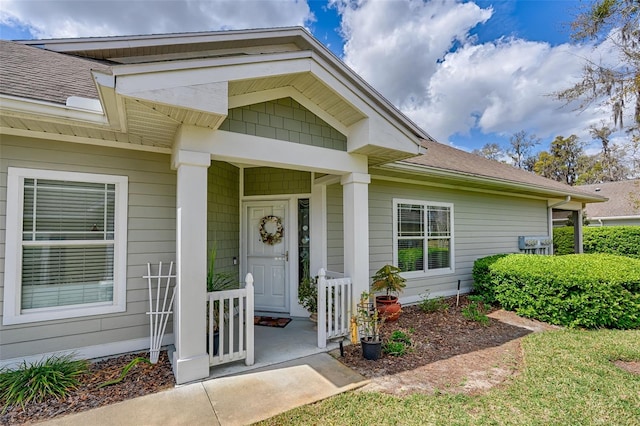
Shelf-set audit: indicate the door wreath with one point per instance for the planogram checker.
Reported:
(266, 235)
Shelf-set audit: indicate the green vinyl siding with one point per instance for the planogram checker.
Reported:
(483, 224)
(272, 181)
(284, 119)
(151, 234)
(223, 215)
(335, 228)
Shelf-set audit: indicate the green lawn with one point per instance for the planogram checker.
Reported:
(568, 379)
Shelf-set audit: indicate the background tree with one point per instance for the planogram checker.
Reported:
(608, 165)
(616, 23)
(492, 151)
(562, 162)
(521, 145)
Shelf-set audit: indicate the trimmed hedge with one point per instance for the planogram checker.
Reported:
(620, 240)
(482, 278)
(587, 290)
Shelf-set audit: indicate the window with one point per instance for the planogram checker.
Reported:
(423, 237)
(66, 245)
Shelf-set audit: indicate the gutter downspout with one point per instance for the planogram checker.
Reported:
(550, 217)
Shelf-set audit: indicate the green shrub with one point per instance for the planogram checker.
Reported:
(475, 311)
(54, 376)
(398, 344)
(482, 285)
(588, 290)
(433, 305)
(619, 240)
(563, 240)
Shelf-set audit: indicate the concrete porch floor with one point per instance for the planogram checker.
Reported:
(276, 345)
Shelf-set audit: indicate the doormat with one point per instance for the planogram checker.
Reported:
(271, 321)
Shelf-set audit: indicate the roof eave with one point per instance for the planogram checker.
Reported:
(501, 183)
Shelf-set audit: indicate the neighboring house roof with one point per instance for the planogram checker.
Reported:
(621, 197)
(446, 161)
(34, 73)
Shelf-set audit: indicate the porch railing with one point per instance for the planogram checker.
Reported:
(334, 306)
(230, 314)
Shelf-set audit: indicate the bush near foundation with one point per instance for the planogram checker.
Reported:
(482, 285)
(620, 240)
(579, 290)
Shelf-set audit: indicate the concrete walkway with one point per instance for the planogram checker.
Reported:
(228, 401)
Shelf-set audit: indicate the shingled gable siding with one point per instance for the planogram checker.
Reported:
(223, 215)
(484, 224)
(286, 120)
(151, 234)
(272, 181)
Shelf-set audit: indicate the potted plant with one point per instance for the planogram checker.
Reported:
(217, 281)
(308, 296)
(368, 323)
(388, 279)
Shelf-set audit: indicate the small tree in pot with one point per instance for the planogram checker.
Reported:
(388, 278)
(368, 322)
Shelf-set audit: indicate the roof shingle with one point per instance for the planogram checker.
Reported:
(33, 73)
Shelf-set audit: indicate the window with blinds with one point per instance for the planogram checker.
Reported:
(423, 236)
(69, 235)
(68, 238)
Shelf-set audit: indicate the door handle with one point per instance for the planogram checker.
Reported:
(286, 256)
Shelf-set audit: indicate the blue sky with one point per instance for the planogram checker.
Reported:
(468, 72)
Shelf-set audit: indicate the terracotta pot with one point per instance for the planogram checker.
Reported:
(388, 307)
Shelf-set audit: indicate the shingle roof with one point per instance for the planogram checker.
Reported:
(619, 195)
(444, 157)
(30, 72)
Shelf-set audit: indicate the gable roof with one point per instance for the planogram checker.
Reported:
(620, 201)
(454, 166)
(248, 65)
(33, 73)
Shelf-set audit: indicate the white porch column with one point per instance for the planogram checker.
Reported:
(355, 195)
(318, 223)
(190, 360)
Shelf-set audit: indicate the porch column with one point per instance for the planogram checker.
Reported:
(577, 231)
(355, 195)
(190, 360)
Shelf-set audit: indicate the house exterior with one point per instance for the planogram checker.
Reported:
(118, 151)
(621, 209)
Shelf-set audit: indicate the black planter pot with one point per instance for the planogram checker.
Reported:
(216, 342)
(371, 350)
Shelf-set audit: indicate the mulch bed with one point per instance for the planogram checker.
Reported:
(434, 336)
(141, 380)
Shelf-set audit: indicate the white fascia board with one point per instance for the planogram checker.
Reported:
(255, 150)
(424, 170)
(209, 63)
(614, 217)
(130, 84)
(48, 111)
(284, 92)
(351, 95)
(112, 104)
(153, 40)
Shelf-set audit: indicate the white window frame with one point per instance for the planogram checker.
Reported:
(425, 272)
(12, 312)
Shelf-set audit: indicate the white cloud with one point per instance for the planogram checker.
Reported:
(421, 57)
(72, 18)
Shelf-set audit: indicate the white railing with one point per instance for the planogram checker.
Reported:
(230, 314)
(334, 306)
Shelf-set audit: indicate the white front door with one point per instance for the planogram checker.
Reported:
(267, 254)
